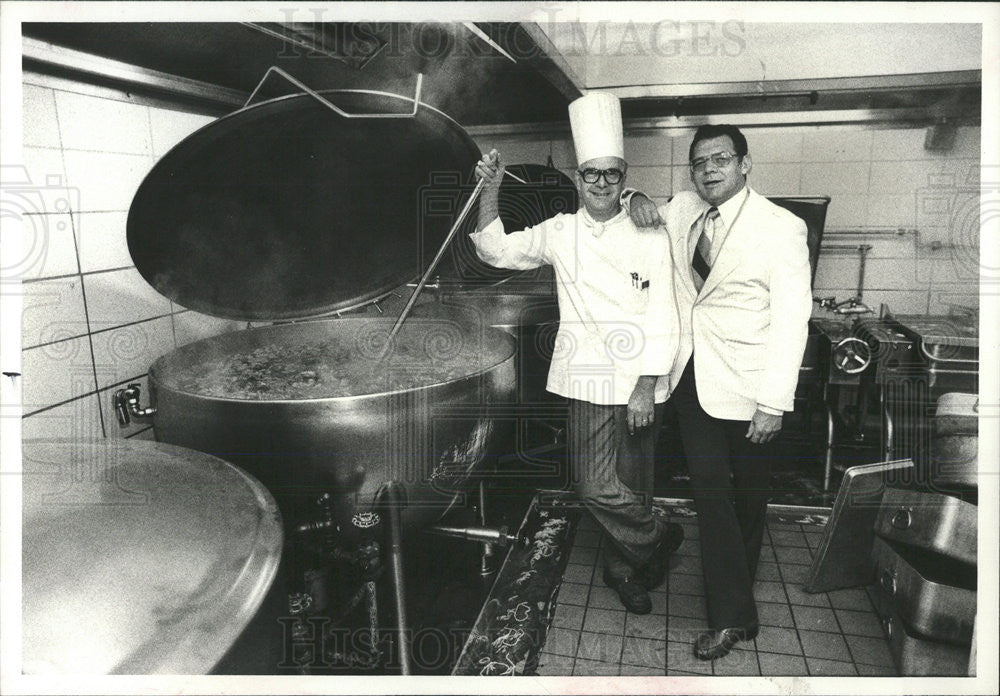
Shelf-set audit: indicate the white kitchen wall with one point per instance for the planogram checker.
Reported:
(879, 181)
(90, 323)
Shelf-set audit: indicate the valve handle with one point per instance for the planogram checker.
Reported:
(851, 355)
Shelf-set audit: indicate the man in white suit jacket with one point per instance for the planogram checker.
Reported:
(742, 282)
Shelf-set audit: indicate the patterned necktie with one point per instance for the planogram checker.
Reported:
(703, 249)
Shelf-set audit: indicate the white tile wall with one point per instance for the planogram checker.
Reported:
(126, 353)
(681, 177)
(92, 123)
(837, 145)
(102, 240)
(776, 179)
(847, 210)
(653, 181)
(886, 247)
(84, 156)
(899, 301)
(924, 175)
(895, 274)
(563, 154)
(57, 372)
(961, 266)
(942, 301)
(892, 210)
(170, 127)
(836, 270)
(766, 147)
(680, 146)
(121, 297)
(77, 420)
(908, 144)
(47, 246)
(45, 171)
(53, 310)
(899, 144)
(951, 216)
(831, 178)
(105, 180)
(40, 125)
(648, 150)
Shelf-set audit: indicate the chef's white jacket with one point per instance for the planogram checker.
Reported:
(617, 310)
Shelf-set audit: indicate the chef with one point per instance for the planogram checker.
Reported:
(618, 332)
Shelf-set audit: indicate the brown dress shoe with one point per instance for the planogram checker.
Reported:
(632, 594)
(714, 644)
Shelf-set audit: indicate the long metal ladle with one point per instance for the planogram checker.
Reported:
(437, 258)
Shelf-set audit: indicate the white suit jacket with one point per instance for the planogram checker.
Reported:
(748, 325)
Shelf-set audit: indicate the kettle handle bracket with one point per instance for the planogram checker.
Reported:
(275, 70)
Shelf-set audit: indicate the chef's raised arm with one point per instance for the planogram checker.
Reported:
(520, 250)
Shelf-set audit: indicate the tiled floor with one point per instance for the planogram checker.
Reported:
(827, 634)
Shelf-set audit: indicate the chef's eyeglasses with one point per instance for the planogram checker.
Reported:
(611, 176)
(719, 159)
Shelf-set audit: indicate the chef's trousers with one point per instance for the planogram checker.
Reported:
(613, 476)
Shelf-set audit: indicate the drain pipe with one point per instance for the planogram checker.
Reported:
(393, 499)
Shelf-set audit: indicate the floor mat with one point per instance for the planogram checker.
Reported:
(549, 613)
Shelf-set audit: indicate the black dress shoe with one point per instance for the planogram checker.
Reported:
(652, 574)
(715, 644)
(632, 594)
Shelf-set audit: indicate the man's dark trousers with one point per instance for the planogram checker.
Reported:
(729, 483)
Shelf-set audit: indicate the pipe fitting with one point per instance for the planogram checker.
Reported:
(126, 405)
(852, 305)
(498, 536)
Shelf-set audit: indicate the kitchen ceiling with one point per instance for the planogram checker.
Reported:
(649, 58)
(463, 75)
(509, 73)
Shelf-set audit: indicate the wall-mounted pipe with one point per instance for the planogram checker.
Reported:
(869, 232)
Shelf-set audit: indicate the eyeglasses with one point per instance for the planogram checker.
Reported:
(611, 176)
(719, 159)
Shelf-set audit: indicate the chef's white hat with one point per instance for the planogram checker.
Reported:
(596, 120)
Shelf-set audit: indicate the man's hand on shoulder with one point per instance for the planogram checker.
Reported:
(643, 211)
